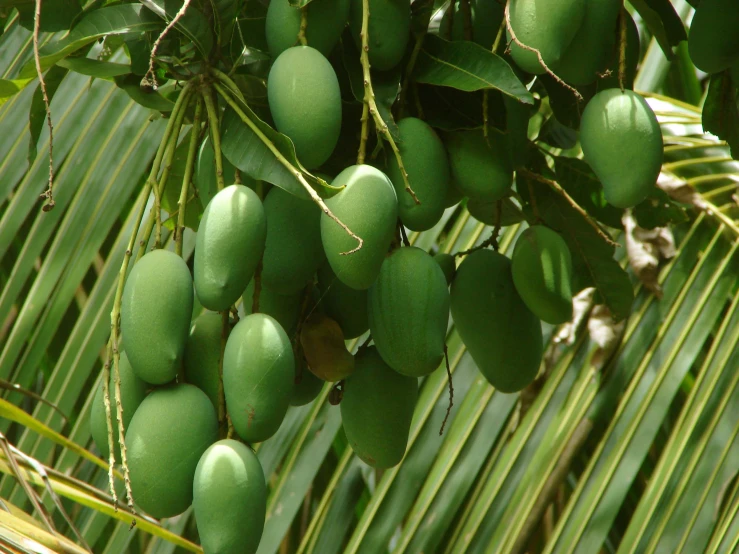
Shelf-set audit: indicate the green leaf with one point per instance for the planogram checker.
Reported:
(193, 24)
(154, 100)
(721, 110)
(94, 68)
(674, 27)
(659, 210)
(467, 66)
(565, 105)
(656, 14)
(37, 112)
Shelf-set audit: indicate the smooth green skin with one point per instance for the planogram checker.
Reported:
(258, 375)
(133, 392)
(448, 266)
(293, 250)
(203, 353)
(308, 389)
(285, 308)
(229, 499)
(588, 52)
(377, 409)
(480, 171)
(453, 194)
(388, 28)
(486, 17)
(541, 266)
(169, 432)
(622, 142)
(501, 334)
(369, 207)
(305, 101)
(326, 21)
(632, 59)
(343, 304)
(425, 160)
(155, 315)
(408, 309)
(713, 40)
(546, 25)
(228, 247)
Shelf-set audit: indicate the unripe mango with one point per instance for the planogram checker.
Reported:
(426, 163)
(228, 247)
(155, 315)
(546, 25)
(377, 409)
(369, 207)
(622, 142)
(541, 266)
(203, 354)
(305, 101)
(388, 30)
(326, 21)
(169, 432)
(258, 373)
(409, 312)
(133, 392)
(324, 349)
(229, 499)
(293, 250)
(480, 171)
(501, 334)
(343, 304)
(485, 15)
(713, 40)
(307, 388)
(448, 266)
(285, 308)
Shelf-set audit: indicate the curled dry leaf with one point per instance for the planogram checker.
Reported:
(645, 249)
(605, 332)
(680, 191)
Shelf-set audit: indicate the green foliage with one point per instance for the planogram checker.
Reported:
(326, 22)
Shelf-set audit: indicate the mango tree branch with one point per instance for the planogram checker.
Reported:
(215, 135)
(150, 77)
(284, 161)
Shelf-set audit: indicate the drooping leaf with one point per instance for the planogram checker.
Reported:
(467, 66)
(721, 110)
(663, 22)
(171, 196)
(154, 100)
(37, 112)
(567, 107)
(194, 24)
(94, 68)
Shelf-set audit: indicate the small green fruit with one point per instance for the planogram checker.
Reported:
(326, 21)
(542, 273)
(293, 250)
(305, 101)
(713, 40)
(377, 409)
(343, 304)
(258, 373)
(228, 247)
(388, 32)
(622, 142)
(408, 310)
(369, 207)
(133, 392)
(501, 334)
(229, 499)
(155, 315)
(169, 432)
(480, 171)
(425, 161)
(203, 354)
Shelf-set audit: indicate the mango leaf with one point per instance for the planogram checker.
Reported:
(659, 210)
(656, 14)
(37, 111)
(11, 87)
(467, 66)
(94, 68)
(125, 18)
(565, 105)
(721, 110)
(131, 84)
(673, 24)
(56, 15)
(193, 24)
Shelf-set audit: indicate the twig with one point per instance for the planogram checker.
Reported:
(49, 192)
(563, 193)
(451, 390)
(215, 135)
(303, 25)
(295, 172)
(622, 48)
(121, 430)
(189, 165)
(109, 424)
(364, 134)
(467, 19)
(369, 99)
(257, 288)
(150, 77)
(554, 76)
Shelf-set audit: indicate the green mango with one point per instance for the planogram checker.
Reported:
(448, 266)
(426, 163)
(633, 52)
(486, 17)
(228, 247)
(541, 266)
(389, 28)
(305, 101)
(168, 434)
(229, 499)
(408, 309)
(133, 392)
(326, 21)
(377, 409)
(480, 171)
(203, 354)
(258, 375)
(285, 308)
(622, 142)
(369, 207)
(155, 315)
(713, 40)
(293, 250)
(343, 304)
(307, 388)
(549, 26)
(501, 334)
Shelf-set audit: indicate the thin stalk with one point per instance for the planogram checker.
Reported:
(109, 422)
(622, 47)
(361, 154)
(189, 166)
(215, 135)
(467, 19)
(303, 26)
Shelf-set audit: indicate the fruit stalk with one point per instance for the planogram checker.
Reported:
(369, 99)
(622, 47)
(215, 135)
(225, 93)
(109, 422)
(303, 26)
(189, 166)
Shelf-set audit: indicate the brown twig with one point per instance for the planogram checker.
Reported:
(451, 390)
(49, 192)
(622, 48)
(150, 76)
(303, 26)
